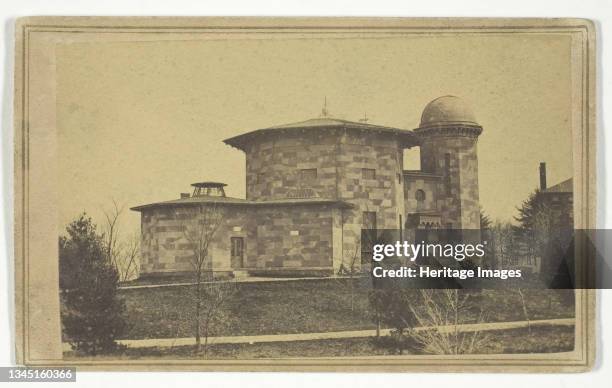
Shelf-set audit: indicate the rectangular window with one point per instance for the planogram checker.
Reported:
(447, 172)
(237, 252)
(236, 246)
(308, 174)
(368, 173)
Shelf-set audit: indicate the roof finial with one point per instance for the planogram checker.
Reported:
(324, 111)
(365, 118)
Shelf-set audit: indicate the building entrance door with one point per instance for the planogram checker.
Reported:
(237, 252)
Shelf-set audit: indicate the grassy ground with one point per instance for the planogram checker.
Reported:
(547, 339)
(303, 306)
(255, 308)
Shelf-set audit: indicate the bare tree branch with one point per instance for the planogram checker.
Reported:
(200, 225)
(443, 308)
(122, 252)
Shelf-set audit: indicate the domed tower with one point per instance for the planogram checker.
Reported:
(449, 135)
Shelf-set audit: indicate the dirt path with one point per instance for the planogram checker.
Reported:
(249, 279)
(251, 339)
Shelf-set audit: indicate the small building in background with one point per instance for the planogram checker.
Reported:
(557, 204)
(559, 199)
(553, 222)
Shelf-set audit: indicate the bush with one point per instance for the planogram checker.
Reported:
(392, 308)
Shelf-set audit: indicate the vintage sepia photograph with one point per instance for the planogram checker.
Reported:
(207, 190)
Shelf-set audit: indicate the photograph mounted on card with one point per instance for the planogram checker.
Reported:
(227, 194)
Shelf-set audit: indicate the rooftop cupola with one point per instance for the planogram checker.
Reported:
(208, 189)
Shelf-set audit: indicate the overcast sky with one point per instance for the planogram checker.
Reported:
(141, 121)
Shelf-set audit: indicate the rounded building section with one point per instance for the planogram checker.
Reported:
(447, 110)
(449, 136)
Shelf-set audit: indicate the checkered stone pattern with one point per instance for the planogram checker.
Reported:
(458, 199)
(275, 237)
(428, 184)
(274, 165)
(382, 194)
(340, 157)
(165, 247)
(293, 237)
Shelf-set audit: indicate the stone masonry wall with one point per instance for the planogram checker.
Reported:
(293, 237)
(459, 204)
(274, 237)
(382, 194)
(429, 185)
(165, 247)
(274, 164)
(363, 168)
(340, 157)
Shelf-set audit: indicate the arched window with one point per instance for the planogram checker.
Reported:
(419, 195)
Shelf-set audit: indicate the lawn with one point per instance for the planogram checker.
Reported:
(301, 306)
(297, 306)
(546, 339)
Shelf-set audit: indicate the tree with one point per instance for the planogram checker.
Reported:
(122, 252)
(350, 270)
(127, 266)
(486, 238)
(200, 225)
(535, 233)
(546, 236)
(92, 313)
(485, 222)
(502, 244)
(535, 222)
(527, 212)
(213, 297)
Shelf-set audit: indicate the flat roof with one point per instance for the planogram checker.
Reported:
(229, 201)
(208, 184)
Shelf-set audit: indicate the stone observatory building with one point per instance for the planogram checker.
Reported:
(312, 186)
